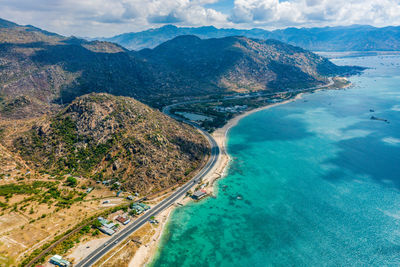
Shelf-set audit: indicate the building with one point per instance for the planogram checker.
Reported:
(144, 206)
(58, 261)
(106, 227)
(137, 208)
(102, 220)
(140, 207)
(106, 230)
(90, 189)
(199, 194)
(123, 219)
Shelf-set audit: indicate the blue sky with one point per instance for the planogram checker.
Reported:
(223, 6)
(110, 17)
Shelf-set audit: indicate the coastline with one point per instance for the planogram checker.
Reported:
(146, 253)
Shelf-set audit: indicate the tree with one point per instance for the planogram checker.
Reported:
(71, 181)
(85, 229)
(96, 224)
(133, 212)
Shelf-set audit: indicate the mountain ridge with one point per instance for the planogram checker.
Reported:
(40, 70)
(339, 38)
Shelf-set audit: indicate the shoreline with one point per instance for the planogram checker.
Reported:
(145, 256)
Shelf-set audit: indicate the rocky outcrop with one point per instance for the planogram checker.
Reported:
(107, 137)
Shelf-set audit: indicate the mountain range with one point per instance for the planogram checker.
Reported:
(68, 105)
(41, 70)
(344, 38)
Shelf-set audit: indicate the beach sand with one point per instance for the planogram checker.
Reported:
(146, 252)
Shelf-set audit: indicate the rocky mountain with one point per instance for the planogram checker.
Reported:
(349, 38)
(238, 64)
(41, 71)
(63, 110)
(104, 137)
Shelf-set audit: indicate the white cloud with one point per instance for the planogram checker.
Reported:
(275, 13)
(110, 17)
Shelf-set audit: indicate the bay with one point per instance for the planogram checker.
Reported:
(318, 182)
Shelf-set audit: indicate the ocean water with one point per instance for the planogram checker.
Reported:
(318, 181)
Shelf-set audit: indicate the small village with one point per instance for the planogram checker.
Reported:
(117, 221)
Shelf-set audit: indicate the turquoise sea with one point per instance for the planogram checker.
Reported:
(318, 180)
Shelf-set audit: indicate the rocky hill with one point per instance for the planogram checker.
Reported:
(41, 71)
(238, 64)
(349, 38)
(105, 137)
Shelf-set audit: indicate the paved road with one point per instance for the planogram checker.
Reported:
(215, 153)
(135, 225)
(167, 109)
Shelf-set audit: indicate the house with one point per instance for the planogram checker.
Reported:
(58, 261)
(110, 225)
(119, 193)
(144, 206)
(140, 207)
(130, 197)
(106, 223)
(137, 208)
(90, 189)
(199, 194)
(106, 226)
(123, 219)
(106, 230)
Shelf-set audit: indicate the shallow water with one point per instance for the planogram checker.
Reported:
(319, 183)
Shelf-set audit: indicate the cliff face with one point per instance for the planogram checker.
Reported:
(108, 137)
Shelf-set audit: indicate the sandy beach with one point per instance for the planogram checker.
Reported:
(145, 253)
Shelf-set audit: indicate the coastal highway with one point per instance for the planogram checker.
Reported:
(167, 109)
(119, 237)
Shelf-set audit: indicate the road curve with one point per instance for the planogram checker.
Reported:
(215, 154)
(118, 237)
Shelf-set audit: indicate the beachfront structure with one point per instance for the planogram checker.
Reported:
(106, 227)
(144, 206)
(140, 207)
(106, 230)
(59, 261)
(123, 219)
(199, 194)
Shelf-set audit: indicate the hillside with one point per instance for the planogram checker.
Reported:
(42, 71)
(350, 38)
(104, 137)
(238, 64)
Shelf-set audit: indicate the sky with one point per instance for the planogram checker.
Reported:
(95, 18)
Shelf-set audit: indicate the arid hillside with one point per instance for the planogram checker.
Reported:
(106, 137)
(41, 71)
